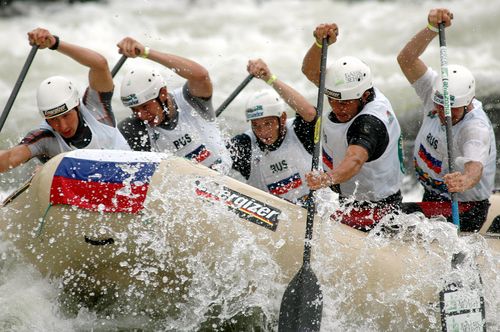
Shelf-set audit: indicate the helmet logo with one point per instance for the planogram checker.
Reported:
(439, 98)
(48, 114)
(333, 94)
(354, 76)
(255, 112)
(130, 100)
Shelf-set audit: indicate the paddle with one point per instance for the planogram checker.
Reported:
(17, 86)
(302, 302)
(233, 95)
(118, 65)
(447, 113)
(461, 308)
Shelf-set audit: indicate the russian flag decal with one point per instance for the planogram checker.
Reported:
(104, 180)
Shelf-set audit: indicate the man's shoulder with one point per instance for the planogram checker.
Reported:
(36, 135)
(135, 133)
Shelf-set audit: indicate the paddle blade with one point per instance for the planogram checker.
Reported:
(302, 303)
(462, 306)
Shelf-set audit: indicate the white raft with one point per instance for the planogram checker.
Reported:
(201, 233)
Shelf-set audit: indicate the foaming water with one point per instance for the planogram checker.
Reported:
(243, 288)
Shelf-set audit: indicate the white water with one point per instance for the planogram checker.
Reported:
(221, 35)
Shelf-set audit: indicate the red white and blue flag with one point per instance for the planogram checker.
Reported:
(282, 187)
(104, 180)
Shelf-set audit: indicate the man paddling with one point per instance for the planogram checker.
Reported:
(473, 137)
(70, 122)
(361, 138)
(275, 153)
(180, 121)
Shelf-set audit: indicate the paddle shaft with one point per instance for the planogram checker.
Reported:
(233, 95)
(17, 86)
(302, 304)
(311, 207)
(447, 113)
(118, 65)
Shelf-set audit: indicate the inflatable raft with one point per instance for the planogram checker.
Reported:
(193, 239)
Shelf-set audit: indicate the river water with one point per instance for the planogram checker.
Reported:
(222, 35)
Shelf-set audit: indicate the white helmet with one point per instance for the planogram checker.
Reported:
(141, 85)
(461, 87)
(56, 96)
(264, 103)
(347, 78)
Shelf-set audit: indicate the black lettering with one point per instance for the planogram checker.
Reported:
(254, 207)
(278, 167)
(433, 142)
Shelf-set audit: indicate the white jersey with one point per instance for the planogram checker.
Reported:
(281, 172)
(379, 178)
(103, 136)
(431, 152)
(193, 137)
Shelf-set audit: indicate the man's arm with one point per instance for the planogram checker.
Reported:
(367, 140)
(312, 59)
(293, 98)
(14, 157)
(198, 78)
(99, 75)
(355, 158)
(460, 182)
(409, 57)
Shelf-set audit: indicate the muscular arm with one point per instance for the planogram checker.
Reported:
(292, 97)
(199, 82)
(312, 59)
(311, 64)
(355, 158)
(14, 157)
(367, 140)
(99, 75)
(197, 76)
(295, 100)
(409, 57)
(459, 182)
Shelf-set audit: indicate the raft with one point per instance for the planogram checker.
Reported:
(194, 239)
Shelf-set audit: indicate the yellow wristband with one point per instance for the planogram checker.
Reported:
(146, 52)
(432, 28)
(272, 79)
(318, 44)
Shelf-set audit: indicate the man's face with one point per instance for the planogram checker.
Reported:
(66, 124)
(267, 129)
(344, 110)
(457, 113)
(151, 112)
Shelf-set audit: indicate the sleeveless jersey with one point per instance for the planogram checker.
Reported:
(379, 178)
(282, 171)
(193, 137)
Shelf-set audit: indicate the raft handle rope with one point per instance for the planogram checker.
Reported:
(42, 221)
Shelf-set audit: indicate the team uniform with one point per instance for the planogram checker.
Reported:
(278, 168)
(473, 140)
(193, 133)
(375, 191)
(96, 130)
